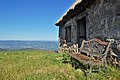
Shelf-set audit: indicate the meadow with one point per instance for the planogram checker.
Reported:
(44, 65)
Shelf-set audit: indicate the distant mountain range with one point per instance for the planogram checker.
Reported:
(2, 49)
(23, 45)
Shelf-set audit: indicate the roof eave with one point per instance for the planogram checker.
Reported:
(72, 7)
(78, 8)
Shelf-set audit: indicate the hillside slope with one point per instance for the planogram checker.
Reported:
(44, 65)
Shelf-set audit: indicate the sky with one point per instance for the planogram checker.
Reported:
(31, 19)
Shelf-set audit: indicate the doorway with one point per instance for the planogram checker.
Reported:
(68, 34)
(81, 31)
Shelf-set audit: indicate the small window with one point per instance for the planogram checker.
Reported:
(68, 34)
(118, 14)
(60, 31)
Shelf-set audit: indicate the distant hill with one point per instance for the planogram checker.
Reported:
(16, 45)
(28, 49)
(2, 49)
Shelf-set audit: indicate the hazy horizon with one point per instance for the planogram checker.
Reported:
(16, 45)
(29, 40)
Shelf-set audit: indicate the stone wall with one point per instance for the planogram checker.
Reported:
(103, 21)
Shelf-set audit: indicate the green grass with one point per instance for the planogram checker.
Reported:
(44, 65)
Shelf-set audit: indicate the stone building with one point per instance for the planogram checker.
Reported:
(87, 19)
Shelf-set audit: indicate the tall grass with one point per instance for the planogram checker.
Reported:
(44, 65)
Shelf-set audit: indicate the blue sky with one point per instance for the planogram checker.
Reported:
(31, 19)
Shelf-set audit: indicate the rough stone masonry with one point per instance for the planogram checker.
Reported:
(103, 21)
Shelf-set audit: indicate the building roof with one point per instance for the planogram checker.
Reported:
(78, 7)
(72, 7)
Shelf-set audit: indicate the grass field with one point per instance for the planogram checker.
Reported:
(44, 65)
